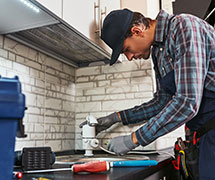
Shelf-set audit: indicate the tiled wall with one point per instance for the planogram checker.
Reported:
(60, 97)
(102, 90)
(50, 95)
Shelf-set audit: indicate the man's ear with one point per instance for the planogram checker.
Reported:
(136, 30)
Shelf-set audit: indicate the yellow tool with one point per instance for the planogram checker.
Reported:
(42, 178)
(183, 163)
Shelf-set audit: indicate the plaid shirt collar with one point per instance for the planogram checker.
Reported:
(161, 27)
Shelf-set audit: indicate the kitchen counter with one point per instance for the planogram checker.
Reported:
(164, 170)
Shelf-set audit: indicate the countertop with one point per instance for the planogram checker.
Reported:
(164, 161)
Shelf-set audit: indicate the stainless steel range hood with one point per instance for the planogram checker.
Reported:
(46, 32)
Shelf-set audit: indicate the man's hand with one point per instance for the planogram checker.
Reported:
(122, 144)
(104, 122)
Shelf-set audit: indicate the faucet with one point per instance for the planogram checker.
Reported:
(89, 135)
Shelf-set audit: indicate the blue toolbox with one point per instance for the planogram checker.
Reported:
(12, 109)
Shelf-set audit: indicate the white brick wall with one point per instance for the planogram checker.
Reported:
(59, 97)
(105, 89)
(50, 95)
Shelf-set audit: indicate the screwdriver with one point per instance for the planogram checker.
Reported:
(100, 166)
(93, 166)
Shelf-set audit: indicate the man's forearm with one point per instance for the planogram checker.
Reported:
(134, 139)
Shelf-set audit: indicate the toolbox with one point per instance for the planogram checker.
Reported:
(12, 108)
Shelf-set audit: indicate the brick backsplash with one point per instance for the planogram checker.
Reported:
(50, 95)
(59, 97)
(103, 89)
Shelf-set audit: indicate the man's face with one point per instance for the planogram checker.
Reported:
(137, 46)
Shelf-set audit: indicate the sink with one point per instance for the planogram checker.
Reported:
(99, 157)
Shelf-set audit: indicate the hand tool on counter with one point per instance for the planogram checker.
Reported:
(40, 178)
(100, 166)
(17, 175)
(133, 163)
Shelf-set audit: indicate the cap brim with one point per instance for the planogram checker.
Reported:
(116, 53)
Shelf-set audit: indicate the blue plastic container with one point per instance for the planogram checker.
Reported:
(12, 108)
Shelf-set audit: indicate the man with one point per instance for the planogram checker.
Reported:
(183, 54)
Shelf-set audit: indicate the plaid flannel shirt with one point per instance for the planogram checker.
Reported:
(187, 46)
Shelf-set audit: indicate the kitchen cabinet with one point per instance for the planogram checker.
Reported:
(54, 5)
(84, 16)
(149, 8)
(80, 15)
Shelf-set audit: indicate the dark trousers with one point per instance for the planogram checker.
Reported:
(207, 156)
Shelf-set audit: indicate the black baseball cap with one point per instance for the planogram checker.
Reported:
(114, 29)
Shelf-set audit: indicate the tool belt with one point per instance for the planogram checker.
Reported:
(187, 153)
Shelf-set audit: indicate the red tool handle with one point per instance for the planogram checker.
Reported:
(17, 175)
(94, 166)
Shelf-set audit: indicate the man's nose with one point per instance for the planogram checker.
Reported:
(129, 56)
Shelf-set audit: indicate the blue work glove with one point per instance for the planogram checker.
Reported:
(122, 144)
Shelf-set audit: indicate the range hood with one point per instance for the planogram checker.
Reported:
(197, 8)
(30, 23)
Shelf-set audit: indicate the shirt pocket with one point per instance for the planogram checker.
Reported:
(166, 66)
